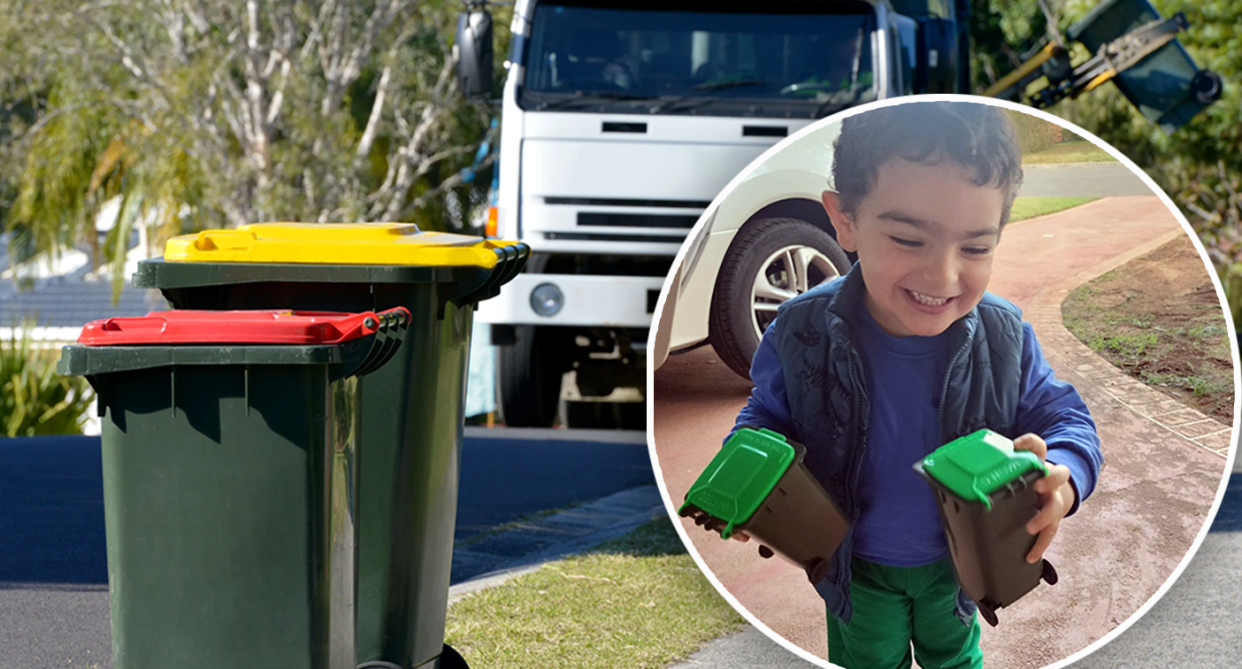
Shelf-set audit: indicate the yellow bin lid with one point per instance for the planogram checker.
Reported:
(335, 244)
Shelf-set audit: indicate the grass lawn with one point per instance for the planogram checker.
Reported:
(1030, 207)
(1077, 151)
(638, 601)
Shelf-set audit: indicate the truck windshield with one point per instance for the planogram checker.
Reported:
(674, 60)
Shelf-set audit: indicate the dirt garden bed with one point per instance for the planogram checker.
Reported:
(1159, 319)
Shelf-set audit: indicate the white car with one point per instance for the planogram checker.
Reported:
(766, 241)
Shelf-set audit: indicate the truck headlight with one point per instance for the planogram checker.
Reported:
(546, 299)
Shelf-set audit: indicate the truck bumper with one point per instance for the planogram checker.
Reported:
(594, 301)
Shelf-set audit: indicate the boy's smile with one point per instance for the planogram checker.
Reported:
(925, 237)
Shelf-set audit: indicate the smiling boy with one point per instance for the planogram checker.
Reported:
(907, 352)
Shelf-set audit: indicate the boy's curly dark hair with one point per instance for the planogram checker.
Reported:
(978, 137)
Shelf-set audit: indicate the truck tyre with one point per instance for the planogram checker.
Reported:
(528, 378)
(755, 278)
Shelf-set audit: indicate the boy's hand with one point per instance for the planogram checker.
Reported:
(1056, 497)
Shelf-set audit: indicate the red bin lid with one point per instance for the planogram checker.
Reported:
(235, 327)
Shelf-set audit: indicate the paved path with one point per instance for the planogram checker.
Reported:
(1198, 623)
(1153, 497)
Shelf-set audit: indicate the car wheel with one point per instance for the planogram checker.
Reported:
(770, 261)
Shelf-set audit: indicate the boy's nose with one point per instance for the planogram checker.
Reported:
(941, 270)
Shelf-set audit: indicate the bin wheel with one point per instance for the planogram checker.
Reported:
(451, 659)
(1050, 574)
(765, 552)
(988, 613)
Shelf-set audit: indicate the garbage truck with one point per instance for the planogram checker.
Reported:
(621, 121)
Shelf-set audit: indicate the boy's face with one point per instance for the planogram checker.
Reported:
(925, 237)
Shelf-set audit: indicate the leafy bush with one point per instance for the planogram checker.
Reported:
(34, 400)
(1035, 134)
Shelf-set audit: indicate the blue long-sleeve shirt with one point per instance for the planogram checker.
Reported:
(898, 523)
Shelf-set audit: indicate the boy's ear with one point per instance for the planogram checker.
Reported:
(841, 221)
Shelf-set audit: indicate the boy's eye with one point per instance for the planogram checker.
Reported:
(977, 250)
(912, 243)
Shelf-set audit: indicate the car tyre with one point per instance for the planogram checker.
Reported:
(744, 298)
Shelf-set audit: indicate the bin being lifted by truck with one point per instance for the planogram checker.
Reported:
(622, 121)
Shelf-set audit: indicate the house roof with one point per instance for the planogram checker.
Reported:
(67, 301)
(61, 305)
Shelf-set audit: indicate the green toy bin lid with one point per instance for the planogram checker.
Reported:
(978, 464)
(740, 477)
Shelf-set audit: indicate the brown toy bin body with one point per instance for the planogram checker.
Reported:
(989, 546)
(797, 519)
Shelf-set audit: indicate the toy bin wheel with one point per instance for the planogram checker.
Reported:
(1050, 574)
(988, 613)
(817, 571)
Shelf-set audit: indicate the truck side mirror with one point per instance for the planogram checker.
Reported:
(474, 53)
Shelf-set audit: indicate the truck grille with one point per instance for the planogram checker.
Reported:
(611, 237)
(637, 220)
(622, 202)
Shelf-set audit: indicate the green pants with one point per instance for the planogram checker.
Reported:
(899, 607)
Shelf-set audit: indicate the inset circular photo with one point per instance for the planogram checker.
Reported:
(942, 381)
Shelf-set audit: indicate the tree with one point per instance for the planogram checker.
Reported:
(1199, 165)
(209, 113)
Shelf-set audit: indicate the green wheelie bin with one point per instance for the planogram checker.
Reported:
(229, 452)
(411, 409)
(986, 495)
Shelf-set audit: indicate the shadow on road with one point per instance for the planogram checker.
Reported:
(51, 513)
(1229, 517)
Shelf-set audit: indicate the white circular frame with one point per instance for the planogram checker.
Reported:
(837, 118)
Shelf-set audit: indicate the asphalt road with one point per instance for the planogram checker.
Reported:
(1082, 179)
(53, 560)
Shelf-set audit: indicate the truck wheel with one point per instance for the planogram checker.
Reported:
(770, 261)
(528, 378)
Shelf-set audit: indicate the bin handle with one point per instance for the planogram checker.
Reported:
(365, 355)
(510, 259)
(393, 324)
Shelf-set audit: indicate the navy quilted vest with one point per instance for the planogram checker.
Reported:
(828, 400)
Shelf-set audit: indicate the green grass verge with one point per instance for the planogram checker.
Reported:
(1030, 207)
(638, 601)
(1080, 151)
